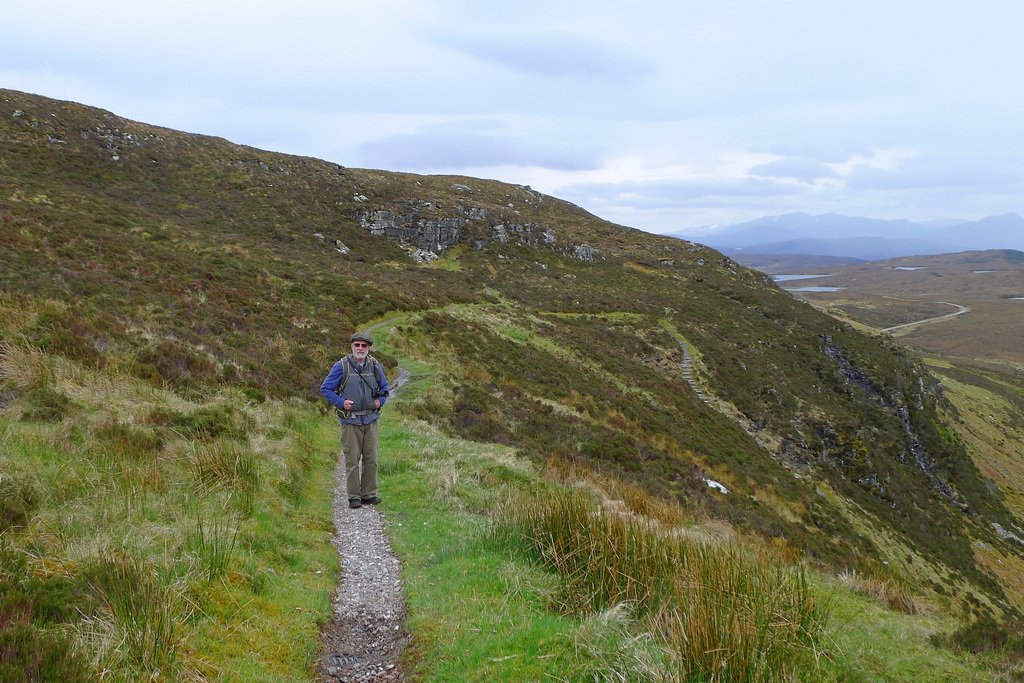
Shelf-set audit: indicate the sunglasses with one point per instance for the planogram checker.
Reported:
(360, 345)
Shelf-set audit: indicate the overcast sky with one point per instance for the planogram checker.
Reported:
(663, 115)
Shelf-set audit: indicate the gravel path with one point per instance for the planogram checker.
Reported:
(365, 638)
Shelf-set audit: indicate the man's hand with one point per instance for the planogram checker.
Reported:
(348, 404)
(376, 402)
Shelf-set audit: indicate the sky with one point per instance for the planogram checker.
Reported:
(665, 115)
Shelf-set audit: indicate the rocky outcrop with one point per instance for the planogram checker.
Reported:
(584, 253)
(533, 234)
(427, 234)
(896, 403)
(416, 227)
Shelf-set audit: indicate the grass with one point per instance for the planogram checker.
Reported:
(725, 612)
(870, 644)
(474, 613)
(186, 555)
(228, 464)
(484, 605)
(193, 264)
(135, 632)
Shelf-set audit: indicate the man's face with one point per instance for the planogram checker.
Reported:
(360, 349)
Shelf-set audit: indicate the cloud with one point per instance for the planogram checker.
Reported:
(938, 172)
(440, 150)
(680, 193)
(833, 154)
(554, 56)
(802, 170)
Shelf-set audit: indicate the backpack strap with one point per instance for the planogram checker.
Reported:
(378, 372)
(344, 377)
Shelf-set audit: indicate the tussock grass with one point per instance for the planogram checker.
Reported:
(893, 591)
(213, 542)
(228, 464)
(140, 615)
(485, 604)
(612, 650)
(726, 612)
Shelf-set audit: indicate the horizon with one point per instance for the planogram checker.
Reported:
(708, 230)
(664, 118)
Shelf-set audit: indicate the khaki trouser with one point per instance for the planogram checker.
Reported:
(359, 442)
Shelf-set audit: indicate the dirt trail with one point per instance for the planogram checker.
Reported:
(365, 638)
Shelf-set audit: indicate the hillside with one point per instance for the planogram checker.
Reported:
(193, 264)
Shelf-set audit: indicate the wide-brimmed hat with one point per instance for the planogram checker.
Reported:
(362, 336)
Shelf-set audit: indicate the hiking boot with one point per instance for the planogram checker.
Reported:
(373, 500)
(355, 503)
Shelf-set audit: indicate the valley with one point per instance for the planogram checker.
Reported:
(889, 295)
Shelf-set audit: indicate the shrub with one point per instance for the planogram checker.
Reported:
(175, 364)
(985, 635)
(29, 654)
(44, 404)
(208, 422)
(18, 499)
(76, 333)
(130, 439)
(30, 649)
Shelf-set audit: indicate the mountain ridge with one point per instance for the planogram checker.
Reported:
(867, 239)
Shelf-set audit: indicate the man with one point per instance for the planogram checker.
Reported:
(357, 388)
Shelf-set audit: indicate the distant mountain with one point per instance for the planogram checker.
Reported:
(859, 248)
(940, 223)
(790, 263)
(796, 225)
(864, 238)
(993, 232)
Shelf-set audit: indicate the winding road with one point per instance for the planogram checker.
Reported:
(963, 309)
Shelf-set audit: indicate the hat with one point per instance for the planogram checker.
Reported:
(362, 336)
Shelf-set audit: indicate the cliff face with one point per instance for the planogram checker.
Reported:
(209, 263)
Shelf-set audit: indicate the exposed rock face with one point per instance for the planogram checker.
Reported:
(428, 234)
(584, 253)
(472, 212)
(529, 233)
(896, 404)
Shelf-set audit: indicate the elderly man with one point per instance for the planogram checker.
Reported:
(357, 388)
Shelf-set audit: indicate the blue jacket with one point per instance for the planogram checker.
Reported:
(359, 389)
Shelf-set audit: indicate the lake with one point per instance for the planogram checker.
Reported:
(815, 289)
(787, 278)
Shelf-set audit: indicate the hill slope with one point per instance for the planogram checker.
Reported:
(190, 261)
